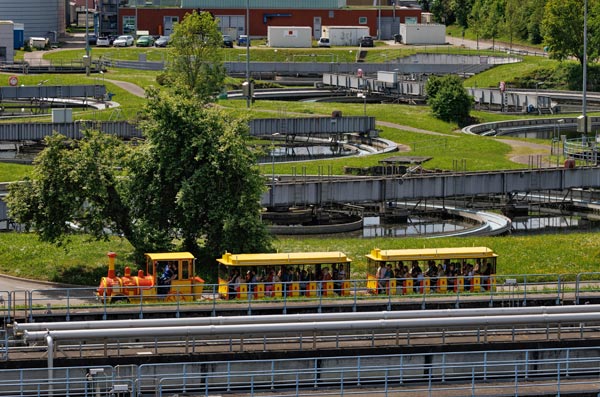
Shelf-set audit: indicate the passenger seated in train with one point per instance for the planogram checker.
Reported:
(164, 281)
(233, 284)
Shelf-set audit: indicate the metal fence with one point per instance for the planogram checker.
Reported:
(584, 149)
(466, 373)
(511, 290)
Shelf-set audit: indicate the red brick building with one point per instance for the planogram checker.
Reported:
(386, 20)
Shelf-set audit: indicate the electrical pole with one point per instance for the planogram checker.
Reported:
(248, 53)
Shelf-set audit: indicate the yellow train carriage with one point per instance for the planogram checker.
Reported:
(456, 269)
(292, 274)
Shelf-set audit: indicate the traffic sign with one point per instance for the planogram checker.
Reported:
(13, 81)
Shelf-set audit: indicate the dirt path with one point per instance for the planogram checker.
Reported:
(536, 154)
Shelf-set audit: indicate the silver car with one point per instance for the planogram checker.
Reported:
(123, 41)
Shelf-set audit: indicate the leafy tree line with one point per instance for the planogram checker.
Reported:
(519, 19)
(193, 183)
(557, 24)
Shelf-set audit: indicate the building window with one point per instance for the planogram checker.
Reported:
(331, 14)
(362, 20)
(128, 24)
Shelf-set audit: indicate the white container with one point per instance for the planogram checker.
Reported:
(290, 36)
(344, 35)
(423, 33)
(38, 42)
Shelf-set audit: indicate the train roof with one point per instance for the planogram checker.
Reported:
(169, 256)
(431, 253)
(290, 258)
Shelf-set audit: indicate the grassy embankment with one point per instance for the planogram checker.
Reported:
(22, 254)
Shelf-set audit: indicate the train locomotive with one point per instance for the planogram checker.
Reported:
(148, 285)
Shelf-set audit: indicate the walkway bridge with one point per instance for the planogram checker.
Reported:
(260, 128)
(327, 190)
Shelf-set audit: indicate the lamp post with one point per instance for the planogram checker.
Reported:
(584, 93)
(363, 95)
(379, 20)
(248, 52)
(273, 156)
(136, 19)
(87, 38)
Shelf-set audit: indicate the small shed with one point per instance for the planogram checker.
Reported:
(7, 51)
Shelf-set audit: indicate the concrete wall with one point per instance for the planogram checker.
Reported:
(7, 52)
(423, 33)
(38, 16)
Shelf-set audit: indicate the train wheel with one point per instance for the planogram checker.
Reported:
(119, 299)
(172, 297)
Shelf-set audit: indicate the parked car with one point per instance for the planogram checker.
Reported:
(145, 41)
(324, 42)
(123, 41)
(242, 40)
(162, 41)
(103, 41)
(92, 39)
(227, 41)
(366, 41)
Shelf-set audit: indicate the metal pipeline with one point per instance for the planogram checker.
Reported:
(50, 343)
(338, 326)
(298, 318)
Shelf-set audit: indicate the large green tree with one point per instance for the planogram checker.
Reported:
(195, 61)
(193, 183)
(562, 29)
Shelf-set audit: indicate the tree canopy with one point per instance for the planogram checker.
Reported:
(448, 99)
(192, 184)
(195, 61)
(562, 29)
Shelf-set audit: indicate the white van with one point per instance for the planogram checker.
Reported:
(323, 42)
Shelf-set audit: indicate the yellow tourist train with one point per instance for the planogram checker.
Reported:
(171, 276)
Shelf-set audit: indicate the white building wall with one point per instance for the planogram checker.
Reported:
(423, 33)
(7, 52)
(39, 16)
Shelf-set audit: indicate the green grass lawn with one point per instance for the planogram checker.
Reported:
(22, 255)
(84, 262)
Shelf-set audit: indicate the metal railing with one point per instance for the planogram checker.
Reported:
(504, 372)
(511, 290)
(582, 149)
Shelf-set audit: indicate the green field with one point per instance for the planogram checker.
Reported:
(83, 261)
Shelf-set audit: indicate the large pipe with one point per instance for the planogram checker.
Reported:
(50, 343)
(337, 326)
(297, 318)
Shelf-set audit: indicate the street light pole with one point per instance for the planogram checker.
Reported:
(379, 20)
(273, 156)
(87, 27)
(248, 53)
(584, 105)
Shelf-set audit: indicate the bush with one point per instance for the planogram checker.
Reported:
(448, 99)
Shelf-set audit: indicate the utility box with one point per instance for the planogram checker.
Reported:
(344, 35)
(581, 124)
(7, 52)
(62, 115)
(290, 36)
